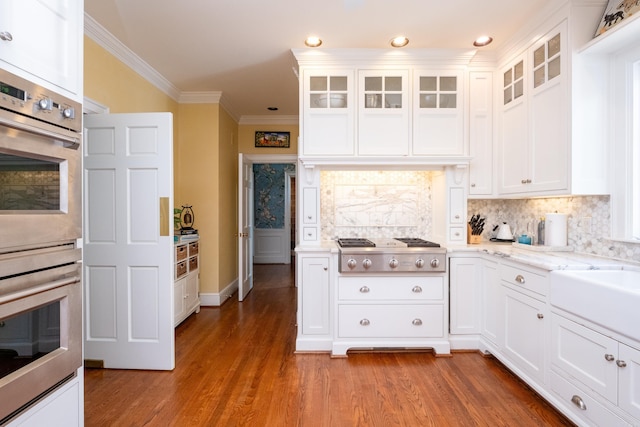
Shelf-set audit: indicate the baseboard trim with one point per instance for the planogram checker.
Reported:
(217, 299)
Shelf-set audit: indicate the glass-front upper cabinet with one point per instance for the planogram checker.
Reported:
(328, 92)
(328, 110)
(383, 112)
(513, 83)
(383, 92)
(438, 113)
(547, 61)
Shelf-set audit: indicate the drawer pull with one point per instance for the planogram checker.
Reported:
(577, 400)
(364, 289)
(621, 363)
(540, 316)
(365, 322)
(609, 357)
(416, 289)
(520, 279)
(417, 322)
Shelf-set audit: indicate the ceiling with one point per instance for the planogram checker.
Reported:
(242, 48)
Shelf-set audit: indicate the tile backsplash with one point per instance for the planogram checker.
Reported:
(588, 226)
(375, 204)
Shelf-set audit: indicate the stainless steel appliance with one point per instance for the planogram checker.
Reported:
(401, 255)
(40, 222)
(40, 165)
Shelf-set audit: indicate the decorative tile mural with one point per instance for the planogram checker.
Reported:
(268, 194)
(375, 204)
(588, 225)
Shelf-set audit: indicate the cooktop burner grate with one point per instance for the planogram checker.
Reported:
(413, 242)
(355, 243)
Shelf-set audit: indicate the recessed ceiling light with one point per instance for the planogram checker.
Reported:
(482, 41)
(313, 41)
(399, 41)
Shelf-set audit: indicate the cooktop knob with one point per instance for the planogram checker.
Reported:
(351, 263)
(435, 263)
(393, 263)
(419, 263)
(366, 263)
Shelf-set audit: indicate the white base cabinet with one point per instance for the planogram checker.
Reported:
(314, 279)
(382, 311)
(186, 288)
(594, 372)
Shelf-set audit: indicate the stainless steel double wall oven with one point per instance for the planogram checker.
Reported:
(40, 224)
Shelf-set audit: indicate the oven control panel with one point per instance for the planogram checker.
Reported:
(417, 262)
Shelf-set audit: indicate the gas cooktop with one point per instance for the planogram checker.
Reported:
(394, 243)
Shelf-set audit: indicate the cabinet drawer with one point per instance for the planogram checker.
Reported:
(390, 321)
(181, 252)
(181, 269)
(524, 279)
(591, 411)
(193, 263)
(194, 247)
(391, 288)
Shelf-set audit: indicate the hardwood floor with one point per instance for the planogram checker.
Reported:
(235, 366)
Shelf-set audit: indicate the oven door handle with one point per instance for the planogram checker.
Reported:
(70, 139)
(39, 289)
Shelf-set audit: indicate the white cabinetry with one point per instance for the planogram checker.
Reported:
(490, 302)
(593, 372)
(534, 146)
(42, 41)
(328, 106)
(438, 113)
(382, 311)
(383, 113)
(314, 279)
(465, 290)
(186, 288)
(481, 169)
(522, 335)
(308, 194)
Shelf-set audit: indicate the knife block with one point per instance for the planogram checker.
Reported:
(473, 239)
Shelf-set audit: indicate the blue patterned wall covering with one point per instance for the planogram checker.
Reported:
(268, 194)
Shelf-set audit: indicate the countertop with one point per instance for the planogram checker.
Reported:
(544, 258)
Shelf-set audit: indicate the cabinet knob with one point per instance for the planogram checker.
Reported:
(457, 217)
(417, 322)
(621, 363)
(6, 36)
(364, 289)
(520, 279)
(309, 217)
(325, 268)
(365, 322)
(540, 316)
(416, 289)
(523, 181)
(609, 357)
(577, 400)
(473, 185)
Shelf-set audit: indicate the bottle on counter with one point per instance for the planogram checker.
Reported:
(541, 231)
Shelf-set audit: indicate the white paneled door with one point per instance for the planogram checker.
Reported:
(245, 226)
(128, 241)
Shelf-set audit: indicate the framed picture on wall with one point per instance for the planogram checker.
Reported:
(616, 12)
(272, 139)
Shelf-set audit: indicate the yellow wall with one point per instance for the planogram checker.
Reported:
(206, 144)
(246, 139)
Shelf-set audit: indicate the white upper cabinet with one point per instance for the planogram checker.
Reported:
(534, 144)
(438, 118)
(378, 106)
(383, 113)
(41, 40)
(328, 112)
(481, 133)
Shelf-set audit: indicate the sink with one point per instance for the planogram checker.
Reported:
(609, 298)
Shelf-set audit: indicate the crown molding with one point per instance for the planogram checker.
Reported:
(100, 35)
